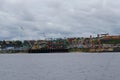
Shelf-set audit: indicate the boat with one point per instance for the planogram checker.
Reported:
(59, 50)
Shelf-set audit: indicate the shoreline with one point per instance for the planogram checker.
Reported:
(86, 50)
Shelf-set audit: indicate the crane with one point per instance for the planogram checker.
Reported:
(23, 31)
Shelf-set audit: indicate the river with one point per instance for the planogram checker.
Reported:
(60, 66)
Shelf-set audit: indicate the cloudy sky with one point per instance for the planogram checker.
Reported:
(36, 19)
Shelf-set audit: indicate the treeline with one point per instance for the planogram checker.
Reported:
(111, 41)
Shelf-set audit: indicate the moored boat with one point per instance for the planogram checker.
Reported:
(47, 50)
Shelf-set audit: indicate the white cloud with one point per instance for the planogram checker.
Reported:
(58, 18)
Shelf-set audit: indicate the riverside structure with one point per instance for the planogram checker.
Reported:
(101, 43)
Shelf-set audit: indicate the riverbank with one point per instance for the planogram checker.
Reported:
(89, 50)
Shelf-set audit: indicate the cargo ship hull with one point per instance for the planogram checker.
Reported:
(47, 50)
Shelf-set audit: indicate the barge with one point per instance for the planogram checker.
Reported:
(61, 50)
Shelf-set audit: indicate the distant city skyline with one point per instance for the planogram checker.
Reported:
(37, 19)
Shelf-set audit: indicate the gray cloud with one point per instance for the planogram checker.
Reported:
(30, 19)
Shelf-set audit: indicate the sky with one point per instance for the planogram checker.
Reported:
(38, 19)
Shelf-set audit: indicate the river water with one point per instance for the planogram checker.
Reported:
(60, 66)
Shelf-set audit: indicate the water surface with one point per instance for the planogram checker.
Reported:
(60, 66)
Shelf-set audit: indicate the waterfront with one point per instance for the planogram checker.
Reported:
(101, 43)
(60, 66)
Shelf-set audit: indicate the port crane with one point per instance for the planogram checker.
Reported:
(23, 31)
